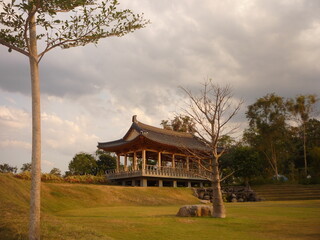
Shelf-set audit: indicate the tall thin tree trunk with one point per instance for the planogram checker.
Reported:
(305, 150)
(34, 226)
(217, 201)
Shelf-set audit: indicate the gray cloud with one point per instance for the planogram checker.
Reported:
(256, 46)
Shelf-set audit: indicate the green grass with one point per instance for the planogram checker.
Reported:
(90, 212)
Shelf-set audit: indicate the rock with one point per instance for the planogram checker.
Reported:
(195, 211)
(233, 199)
(201, 195)
(206, 197)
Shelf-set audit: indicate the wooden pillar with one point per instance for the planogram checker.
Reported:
(134, 160)
(160, 183)
(188, 163)
(143, 159)
(173, 161)
(174, 183)
(144, 182)
(118, 163)
(125, 162)
(159, 160)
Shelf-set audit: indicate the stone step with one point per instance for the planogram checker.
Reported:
(287, 192)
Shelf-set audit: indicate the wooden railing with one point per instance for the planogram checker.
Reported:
(156, 171)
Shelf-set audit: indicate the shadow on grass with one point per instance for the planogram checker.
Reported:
(10, 234)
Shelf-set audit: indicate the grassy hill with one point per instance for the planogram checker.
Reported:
(57, 197)
(63, 196)
(98, 212)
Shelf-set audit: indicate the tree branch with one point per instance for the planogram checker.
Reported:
(10, 46)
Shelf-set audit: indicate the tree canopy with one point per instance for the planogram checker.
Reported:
(6, 168)
(26, 167)
(82, 164)
(64, 23)
(180, 123)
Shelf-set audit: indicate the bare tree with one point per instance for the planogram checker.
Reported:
(212, 109)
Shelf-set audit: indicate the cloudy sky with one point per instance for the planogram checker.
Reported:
(89, 94)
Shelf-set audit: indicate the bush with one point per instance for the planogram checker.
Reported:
(26, 175)
(47, 177)
(89, 179)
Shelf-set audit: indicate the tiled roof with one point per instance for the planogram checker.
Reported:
(162, 136)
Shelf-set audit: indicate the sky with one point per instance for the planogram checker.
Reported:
(89, 94)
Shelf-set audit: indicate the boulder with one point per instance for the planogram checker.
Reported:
(195, 211)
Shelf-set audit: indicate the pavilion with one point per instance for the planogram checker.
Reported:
(150, 156)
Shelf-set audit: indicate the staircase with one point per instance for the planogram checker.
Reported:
(283, 192)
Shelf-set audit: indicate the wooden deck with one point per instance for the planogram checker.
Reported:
(158, 172)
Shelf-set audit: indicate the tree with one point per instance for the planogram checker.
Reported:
(56, 171)
(82, 164)
(26, 167)
(105, 161)
(85, 21)
(246, 163)
(212, 109)
(6, 168)
(267, 128)
(180, 123)
(302, 107)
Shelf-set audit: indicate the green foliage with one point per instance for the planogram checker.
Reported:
(105, 161)
(268, 130)
(83, 163)
(6, 168)
(55, 171)
(246, 163)
(64, 23)
(302, 106)
(180, 123)
(26, 167)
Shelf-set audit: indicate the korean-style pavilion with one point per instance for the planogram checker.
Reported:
(150, 156)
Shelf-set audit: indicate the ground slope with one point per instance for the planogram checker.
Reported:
(57, 197)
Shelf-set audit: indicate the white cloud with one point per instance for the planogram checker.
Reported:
(66, 135)
(13, 117)
(15, 144)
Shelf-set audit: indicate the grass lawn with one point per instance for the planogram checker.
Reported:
(263, 220)
(91, 212)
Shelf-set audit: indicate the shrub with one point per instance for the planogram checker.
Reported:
(47, 177)
(26, 175)
(89, 179)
